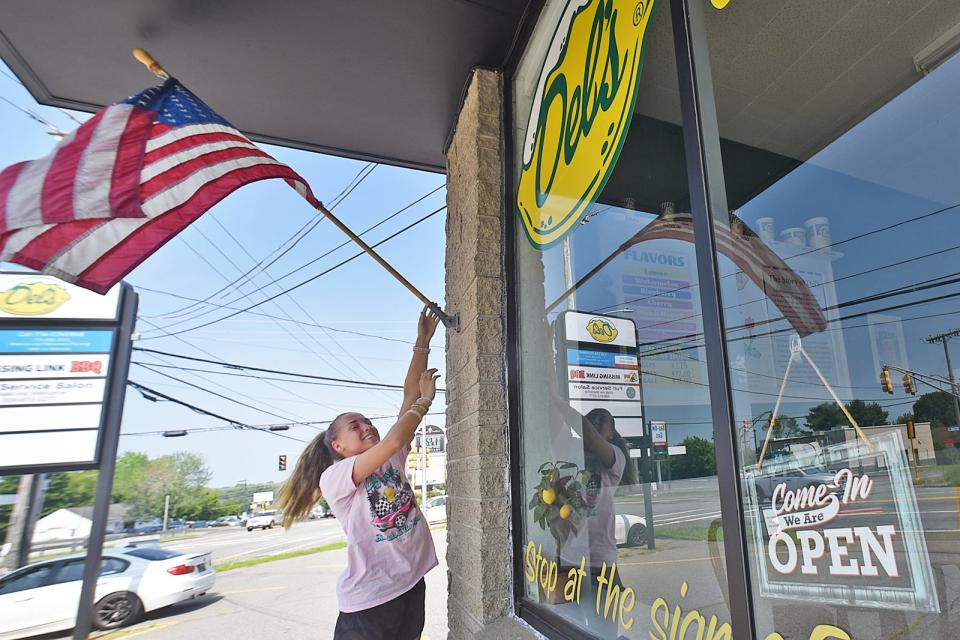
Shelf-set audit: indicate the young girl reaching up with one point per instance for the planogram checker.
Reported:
(364, 480)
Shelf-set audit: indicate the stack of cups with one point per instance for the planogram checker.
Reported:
(818, 232)
(794, 235)
(765, 229)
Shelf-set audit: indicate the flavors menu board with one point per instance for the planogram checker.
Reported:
(598, 361)
(52, 390)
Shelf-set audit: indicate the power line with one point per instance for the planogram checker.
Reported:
(307, 281)
(214, 393)
(275, 304)
(160, 432)
(303, 266)
(272, 384)
(381, 386)
(834, 244)
(302, 232)
(233, 365)
(299, 306)
(266, 315)
(154, 394)
(789, 329)
(819, 284)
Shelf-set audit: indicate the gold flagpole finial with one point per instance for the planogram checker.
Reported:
(150, 62)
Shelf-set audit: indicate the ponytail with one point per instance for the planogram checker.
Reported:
(298, 495)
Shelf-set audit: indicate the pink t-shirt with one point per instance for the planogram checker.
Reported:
(600, 523)
(389, 546)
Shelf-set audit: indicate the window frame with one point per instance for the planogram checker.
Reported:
(707, 203)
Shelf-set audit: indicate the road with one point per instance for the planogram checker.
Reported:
(293, 599)
(235, 543)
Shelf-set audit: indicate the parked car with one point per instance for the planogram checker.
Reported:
(199, 524)
(435, 509)
(794, 477)
(226, 521)
(42, 597)
(263, 520)
(630, 530)
(321, 512)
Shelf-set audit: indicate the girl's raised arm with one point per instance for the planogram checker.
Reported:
(401, 433)
(426, 327)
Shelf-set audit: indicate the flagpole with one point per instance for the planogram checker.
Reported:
(451, 322)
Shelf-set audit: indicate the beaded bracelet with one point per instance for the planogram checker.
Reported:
(417, 406)
(421, 349)
(416, 413)
(426, 402)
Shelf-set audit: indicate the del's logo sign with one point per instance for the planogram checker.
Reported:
(32, 299)
(601, 330)
(580, 114)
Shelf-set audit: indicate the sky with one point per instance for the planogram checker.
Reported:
(243, 229)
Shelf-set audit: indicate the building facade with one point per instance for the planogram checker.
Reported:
(718, 235)
(720, 223)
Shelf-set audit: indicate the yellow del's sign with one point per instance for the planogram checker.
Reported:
(601, 330)
(32, 299)
(580, 114)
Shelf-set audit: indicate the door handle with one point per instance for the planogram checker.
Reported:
(24, 599)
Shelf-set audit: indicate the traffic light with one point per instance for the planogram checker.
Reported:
(283, 463)
(908, 385)
(885, 382)
(911, 430)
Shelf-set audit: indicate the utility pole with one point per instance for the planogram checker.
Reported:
(423, 466)
(943, 338)
(18, 544)
(166, 512)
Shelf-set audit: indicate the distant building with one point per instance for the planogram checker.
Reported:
(75, 522)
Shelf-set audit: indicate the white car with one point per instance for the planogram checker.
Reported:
(43, 597)
(630, 530)
(263, 520)
(435, 509)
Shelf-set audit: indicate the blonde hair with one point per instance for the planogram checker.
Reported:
(301, 491)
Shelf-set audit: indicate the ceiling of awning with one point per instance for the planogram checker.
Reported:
(371, 80)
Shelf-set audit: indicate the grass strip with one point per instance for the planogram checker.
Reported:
(249, 562)
(685, 532)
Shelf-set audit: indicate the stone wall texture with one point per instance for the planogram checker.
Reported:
(479, 602)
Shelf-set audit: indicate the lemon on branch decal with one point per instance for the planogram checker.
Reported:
(581, 113)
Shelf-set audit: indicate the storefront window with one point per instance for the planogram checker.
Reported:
(840, 136)
(621, 524)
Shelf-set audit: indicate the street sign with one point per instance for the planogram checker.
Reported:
(58, 364)
(658, 439)
(598, 358)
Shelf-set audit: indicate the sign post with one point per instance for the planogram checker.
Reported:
(64, 360)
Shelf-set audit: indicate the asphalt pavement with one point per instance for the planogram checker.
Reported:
(236, 543)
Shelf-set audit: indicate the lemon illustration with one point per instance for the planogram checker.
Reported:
(389, 493)
(584, 477)
(565, 511)
(549, 496)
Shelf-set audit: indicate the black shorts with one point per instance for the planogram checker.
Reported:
(398, 619)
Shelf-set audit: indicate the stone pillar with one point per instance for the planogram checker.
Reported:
(478, 539)
(480, 598)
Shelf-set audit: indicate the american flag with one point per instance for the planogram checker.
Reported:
(124, 183)
(784, 286)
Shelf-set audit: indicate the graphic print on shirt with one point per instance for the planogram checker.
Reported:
(391, 504)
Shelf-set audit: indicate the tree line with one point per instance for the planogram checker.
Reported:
(143, 483)
(935, 408)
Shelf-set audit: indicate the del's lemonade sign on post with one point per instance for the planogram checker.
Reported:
(57, 362)
(580, 114)
(598, 359)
